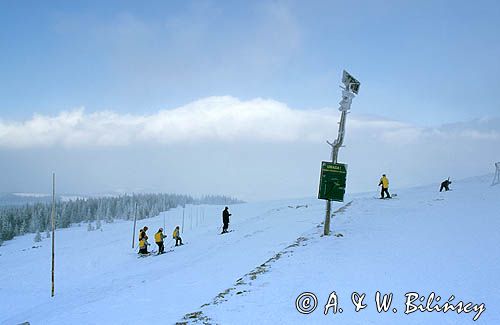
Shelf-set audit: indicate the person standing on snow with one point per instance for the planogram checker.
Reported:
(385, 187)
(142, 233)
(445, 185)
(225, 220)
(159, 241)
(177, 237)
(143, 241)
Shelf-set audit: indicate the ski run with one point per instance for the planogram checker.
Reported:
(425, 243)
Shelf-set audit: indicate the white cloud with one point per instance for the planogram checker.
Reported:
(214, 118)
(258, 148)
(221, 119)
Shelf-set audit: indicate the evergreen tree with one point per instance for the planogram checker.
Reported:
(29, 218)
(37, 238)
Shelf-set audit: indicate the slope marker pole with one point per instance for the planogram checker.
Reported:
(348, 93)
(135, 222)
(53, 231)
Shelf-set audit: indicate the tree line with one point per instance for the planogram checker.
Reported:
(36, 217)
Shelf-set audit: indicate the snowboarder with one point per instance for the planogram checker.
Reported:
(177, 237)
(143, 241)
(385, 187)
(159, 241)
(445, 185)
(225, 220)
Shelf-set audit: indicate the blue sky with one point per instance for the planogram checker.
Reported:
(90, 82)
(418, 61)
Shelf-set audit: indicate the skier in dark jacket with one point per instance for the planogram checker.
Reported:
(445, 185)
(225, 220)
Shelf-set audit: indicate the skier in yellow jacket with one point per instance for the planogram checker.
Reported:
(177, 237)
(159, 241)
(143, 241)
(385, 187)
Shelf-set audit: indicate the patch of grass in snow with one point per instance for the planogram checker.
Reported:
(196, 318)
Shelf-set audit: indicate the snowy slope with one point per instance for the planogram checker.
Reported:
(98, 273)
(422, 241)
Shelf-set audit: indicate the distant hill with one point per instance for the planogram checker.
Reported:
(20, 198)
(23, 198)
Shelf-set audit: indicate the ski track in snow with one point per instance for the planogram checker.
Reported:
(244, 284)
(98, 274)
(424, 241)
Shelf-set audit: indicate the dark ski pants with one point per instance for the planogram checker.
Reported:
(144, 250)
(386, 191)
(444, 187)
(225, 226)
(178, 241)
(161, 247)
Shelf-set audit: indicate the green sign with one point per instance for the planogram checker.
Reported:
(332, 181)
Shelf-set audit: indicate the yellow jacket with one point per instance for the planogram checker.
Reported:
(175, 234)
(384, 182)
(142, 243)
(159, 237)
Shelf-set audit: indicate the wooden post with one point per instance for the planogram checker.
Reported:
(348, 93)
(183, 219)
(135, 221)
(53, 230)
(496, 178)
(197, 215)
(326, 228)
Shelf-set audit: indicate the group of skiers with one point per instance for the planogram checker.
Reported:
(384, 182)
(159, 236)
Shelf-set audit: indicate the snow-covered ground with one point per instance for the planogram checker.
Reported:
(422, 241)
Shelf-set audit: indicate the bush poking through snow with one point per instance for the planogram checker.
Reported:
(37, 238)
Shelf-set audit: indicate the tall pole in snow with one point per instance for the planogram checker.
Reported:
(197, 215)
(348, 93)
(183, 219)
(53, 231)
(135, 222)
(496, 178)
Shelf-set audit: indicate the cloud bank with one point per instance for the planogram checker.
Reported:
(221, 119)
(253, 149)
